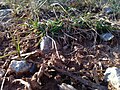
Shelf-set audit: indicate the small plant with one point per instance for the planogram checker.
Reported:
(54, 26)
(35, 24)
(103, 27)
(35, 6)
(17, 44)
(17, 5)
(83, 21)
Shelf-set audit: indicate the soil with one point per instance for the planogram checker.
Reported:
(80, 59)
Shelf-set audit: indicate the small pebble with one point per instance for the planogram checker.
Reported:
(108, 10)
(107, 36)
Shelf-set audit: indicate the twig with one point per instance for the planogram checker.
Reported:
(26, 55)
(54, 45)
(54, 4)
(14, 52)
(81, 80)
(23, 82)
(40, 72)
(55, 13)
(70, 36)
(2, 85)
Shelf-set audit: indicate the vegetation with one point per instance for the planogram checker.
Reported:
(75, 28)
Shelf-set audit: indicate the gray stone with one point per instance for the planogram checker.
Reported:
(5, 15)
(46, 44)
(4, 12)
(112, 75)
(108, 10)
(107, 36)
(19, 66)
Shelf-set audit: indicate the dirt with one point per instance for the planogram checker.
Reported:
(78, 60)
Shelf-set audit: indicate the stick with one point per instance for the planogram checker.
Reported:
(81, 80)
(54, 45)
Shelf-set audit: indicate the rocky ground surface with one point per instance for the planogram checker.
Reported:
(69, 57)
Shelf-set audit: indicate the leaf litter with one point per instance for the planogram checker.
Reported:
(75, 56)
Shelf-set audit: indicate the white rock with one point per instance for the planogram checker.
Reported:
(46, 44)
(112, 75)
(65, 86)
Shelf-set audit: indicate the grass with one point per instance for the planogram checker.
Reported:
(84, 19)
(76, 20)
(115, 5)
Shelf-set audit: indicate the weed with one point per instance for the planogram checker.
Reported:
(54, 26)
(16, 43)
(17, 46)
(103, 27)
(82, 21)
(35, 6)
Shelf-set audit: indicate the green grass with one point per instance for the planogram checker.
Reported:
(66, 22)
(16, 42)
(82, 20)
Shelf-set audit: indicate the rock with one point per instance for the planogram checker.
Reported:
(5, 14)
(107, 36)
(107, 10)
(112, 75)
(2, 72)
(46, 44)
(21, 67)
(65, 86)
(5, 18)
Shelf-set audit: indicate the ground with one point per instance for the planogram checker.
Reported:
(75, 55)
